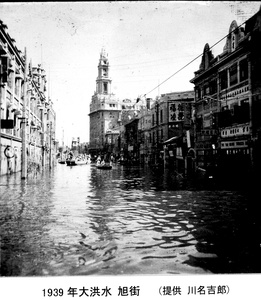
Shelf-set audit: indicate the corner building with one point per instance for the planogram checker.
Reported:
(26, 115)
(227, 103)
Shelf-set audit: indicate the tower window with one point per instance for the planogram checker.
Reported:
(105, 87)
(104, 72)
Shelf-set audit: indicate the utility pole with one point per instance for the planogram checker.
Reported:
(0, 119)
(3, 80)
(24, 155)
(251, 128)
(50, 152)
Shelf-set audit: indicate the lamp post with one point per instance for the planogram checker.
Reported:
(3, 80)
(24, 158)
(0, 126)
(50, 152)
(1, 84)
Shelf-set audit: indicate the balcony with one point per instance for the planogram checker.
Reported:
(239, 115)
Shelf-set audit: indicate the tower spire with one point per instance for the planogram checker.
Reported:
(103, 53)
(103, 82)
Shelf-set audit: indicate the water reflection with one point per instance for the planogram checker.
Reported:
(80, 221)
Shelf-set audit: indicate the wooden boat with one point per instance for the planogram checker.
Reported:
(104, 167)
(76, 161)
(70, 162)
(81, 161)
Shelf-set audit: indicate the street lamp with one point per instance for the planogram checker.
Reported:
(24, 157)
(50, 141)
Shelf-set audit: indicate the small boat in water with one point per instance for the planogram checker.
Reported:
(61, 161)
(71, 162)
(104, 167)
(81, 161)
(76, 161)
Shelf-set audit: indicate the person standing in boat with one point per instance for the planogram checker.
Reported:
(103, 162)
(70, 155)
(112, 159)
(98, 161)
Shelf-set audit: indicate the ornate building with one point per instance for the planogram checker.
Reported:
(104, 108)
(27, 118)
(227, 103)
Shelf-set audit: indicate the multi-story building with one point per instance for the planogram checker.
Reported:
(135, 121)
(171, 124)
(227, 102)
(104, 108)
(144, 130)
(41, 118)
(25, 139)
(132, 146)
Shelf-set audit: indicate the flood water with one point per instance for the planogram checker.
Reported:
(83, 221)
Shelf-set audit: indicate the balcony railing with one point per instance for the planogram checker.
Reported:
(239, 115)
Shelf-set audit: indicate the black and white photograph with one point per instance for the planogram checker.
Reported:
(130, 145)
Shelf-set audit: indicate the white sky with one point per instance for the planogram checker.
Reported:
(146, 43)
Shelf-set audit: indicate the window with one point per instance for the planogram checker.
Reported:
(17, 86)
(105, 88)
(104, 72)
(10, 80)
(233, 74)
(213, 86)
(223, 79)
(243, 70)
(161, 116)
(206, 90)
(198, 93)
(233, 42)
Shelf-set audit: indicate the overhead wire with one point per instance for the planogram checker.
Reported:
(147, 64)
(144, 95)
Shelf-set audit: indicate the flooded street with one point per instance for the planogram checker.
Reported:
(83, 221)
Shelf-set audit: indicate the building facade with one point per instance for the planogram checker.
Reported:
(227, 103)
(144, 130)
(27, 127)
(171, 129)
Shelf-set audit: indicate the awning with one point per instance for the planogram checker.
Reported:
(172, 140)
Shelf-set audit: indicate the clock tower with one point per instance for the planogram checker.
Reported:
(104, 108)
(103, 81)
